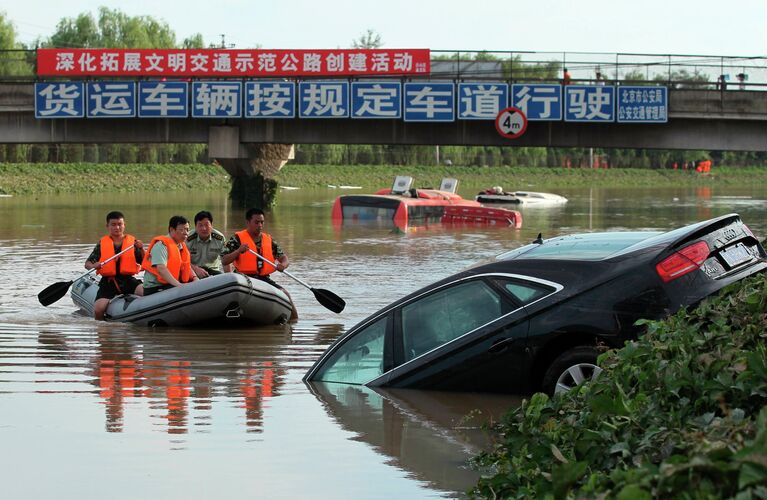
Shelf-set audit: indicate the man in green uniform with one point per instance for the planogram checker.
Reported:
(205, 244)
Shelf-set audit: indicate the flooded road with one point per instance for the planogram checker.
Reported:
(98, 409)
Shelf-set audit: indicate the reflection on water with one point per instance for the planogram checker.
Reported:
(207, 413)
(430, 434)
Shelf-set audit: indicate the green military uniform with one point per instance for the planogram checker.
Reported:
(234, 244)
(207, 254)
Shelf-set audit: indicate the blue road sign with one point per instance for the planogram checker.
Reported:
(589, 103)
(328, 99)
(111, 100)
(270, 99)
(376, 100)
(482, 101)
(539, 102)
(217, 99)
(60, 100)
(642, 104)
(163, 99)
(429, 102)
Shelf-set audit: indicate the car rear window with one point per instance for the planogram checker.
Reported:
(593, 246)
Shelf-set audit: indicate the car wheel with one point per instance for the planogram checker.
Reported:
(571, 369)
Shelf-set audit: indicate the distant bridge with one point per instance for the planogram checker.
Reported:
(701, 114)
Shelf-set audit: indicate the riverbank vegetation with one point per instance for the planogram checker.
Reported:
(680, 413)
(39, 178)
(511, 178)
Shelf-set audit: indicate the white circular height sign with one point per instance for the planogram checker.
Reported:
(511, 122)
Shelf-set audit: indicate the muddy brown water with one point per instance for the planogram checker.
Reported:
(89, 409)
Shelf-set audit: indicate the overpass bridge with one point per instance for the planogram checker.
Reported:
(705, 110)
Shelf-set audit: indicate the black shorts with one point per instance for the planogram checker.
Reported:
(119, 285)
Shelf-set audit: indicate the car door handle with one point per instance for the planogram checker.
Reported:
(499, 345)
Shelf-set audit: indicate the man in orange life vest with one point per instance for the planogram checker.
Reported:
(167, 262)
(253, 237)
(117, 276)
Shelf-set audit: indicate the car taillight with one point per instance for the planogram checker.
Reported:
(682, 262)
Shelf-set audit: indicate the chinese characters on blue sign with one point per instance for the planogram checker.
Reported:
(163, 99)
(216, 99)
(589, 103)
(60, 100)
(642, 104)
(540, 102)
(429, 102)
(323, 99)
(270, 100)
(111, 99)
(363, 99)
(376, 100)
(482, 101)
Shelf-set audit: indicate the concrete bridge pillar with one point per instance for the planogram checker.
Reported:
(251, 165)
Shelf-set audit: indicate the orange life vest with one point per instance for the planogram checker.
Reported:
(247, 263)
(179, 261)
(128, 264)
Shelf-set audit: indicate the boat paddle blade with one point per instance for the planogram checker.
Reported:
(54, 292)
(328, 299)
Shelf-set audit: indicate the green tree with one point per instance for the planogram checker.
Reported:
(112, 29)
(368, 40)
(13, 58)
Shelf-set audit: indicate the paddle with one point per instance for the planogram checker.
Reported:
(325, 297)
(58, 290)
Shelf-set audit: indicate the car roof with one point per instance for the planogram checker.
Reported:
(584, 246)
(605, 245)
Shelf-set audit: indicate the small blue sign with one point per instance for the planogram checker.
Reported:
(323, 99)
(642, 104)
(163, 99)
(266, 99)
(589, 103)
(429, 102)
(539, 102)
(60, 100)
(376, 100)
(216, 99)
(482, 101)
(111, 100)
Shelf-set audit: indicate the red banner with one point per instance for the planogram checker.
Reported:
(231, 63)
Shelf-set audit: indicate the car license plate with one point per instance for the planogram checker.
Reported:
(735, 255)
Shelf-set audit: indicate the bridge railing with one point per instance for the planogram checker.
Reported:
(675, 70)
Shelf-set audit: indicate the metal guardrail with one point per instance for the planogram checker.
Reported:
(675, 70)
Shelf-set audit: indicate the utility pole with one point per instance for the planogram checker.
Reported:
(223, 43)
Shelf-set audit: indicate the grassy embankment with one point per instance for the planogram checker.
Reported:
(680, 413)
(39, 178)
(511, 178)
(36, 178)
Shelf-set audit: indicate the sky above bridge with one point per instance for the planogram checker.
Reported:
(651, 26)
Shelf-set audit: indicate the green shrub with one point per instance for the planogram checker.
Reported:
(680, 413)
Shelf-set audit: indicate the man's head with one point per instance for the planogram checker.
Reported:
(178, 228)
(254, 219)
(203, 224)
(115, 224)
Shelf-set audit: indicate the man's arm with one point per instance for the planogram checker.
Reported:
(92, 262)
(232, 250)
(280, 257)
(199, 272)
(163, 270)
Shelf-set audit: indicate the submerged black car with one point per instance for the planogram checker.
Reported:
(534, 318)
